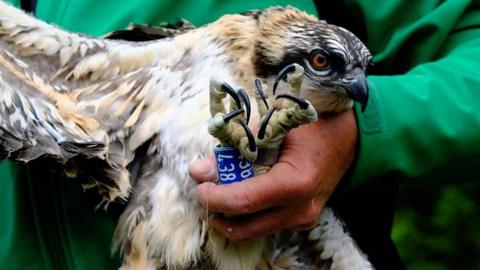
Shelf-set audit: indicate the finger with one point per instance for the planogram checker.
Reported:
(203, 170)
(248, 227)
(303, 227)
(310, 216)
(263, 223)
(277, 187)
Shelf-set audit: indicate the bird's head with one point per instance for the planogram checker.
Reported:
(334, 59)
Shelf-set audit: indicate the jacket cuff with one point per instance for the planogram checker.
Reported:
(373, 143)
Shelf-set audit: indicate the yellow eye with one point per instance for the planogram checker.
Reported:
(319, 61)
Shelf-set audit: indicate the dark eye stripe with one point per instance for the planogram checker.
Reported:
(338, 61)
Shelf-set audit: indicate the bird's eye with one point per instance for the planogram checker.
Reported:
(319, 61)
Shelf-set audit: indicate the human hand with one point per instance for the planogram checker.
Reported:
(293, 193)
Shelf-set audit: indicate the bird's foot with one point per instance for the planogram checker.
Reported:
(289, 111)
(277, 117)
(231, 128)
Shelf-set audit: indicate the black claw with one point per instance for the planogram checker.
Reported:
(281, 75)
(229, 90)
(233, 114)
(251, 141)
(243, 95)
(258, 86)
(300, 101)
(263, 127)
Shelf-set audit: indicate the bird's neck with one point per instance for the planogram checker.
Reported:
(237, 35)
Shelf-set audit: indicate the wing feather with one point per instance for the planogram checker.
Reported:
(73, 98)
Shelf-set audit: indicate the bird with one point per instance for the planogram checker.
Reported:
(127, 117)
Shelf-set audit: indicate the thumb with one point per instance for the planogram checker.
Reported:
(203, 170)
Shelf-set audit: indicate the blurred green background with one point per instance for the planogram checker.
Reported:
(437, 227)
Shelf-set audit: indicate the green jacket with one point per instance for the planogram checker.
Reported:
(421, 125)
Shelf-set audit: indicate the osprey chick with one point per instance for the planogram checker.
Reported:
(127, 118)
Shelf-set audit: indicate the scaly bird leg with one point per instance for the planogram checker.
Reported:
(231, 128)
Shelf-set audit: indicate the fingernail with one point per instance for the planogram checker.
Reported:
(196, 167)
(202, 170)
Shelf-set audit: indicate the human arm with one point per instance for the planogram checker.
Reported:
(410, 117)
(422, 126)
(293, 193)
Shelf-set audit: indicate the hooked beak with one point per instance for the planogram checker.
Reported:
(357, 89)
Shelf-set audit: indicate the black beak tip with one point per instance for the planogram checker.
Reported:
(363, 106)
(363, 98)
(362, 101)
(358, 90)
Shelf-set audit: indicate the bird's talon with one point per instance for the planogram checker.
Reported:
(263, 127)
(227, 117)
(296, 75)
(251, 140)
(246, 100)
(295, 69)
(302, 103)
(229, 90)
(281, 75)
(261, 93)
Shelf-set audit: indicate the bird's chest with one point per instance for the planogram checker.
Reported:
(183, 105)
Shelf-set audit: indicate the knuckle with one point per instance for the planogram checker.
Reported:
(308, 218)
(308, 225)
(242, 203)
(310, 214)
(237, 236)
(304, 187)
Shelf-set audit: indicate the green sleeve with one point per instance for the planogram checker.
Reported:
(422, 123)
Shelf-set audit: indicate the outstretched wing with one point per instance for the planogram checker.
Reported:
(74, 98)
